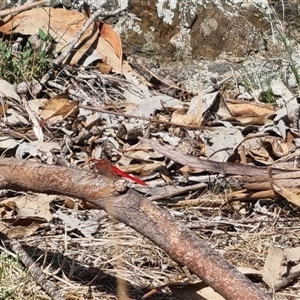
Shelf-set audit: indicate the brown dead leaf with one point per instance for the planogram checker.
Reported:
(59, 105)
(81, 50)
(104, 67)
(186, 170)
(29, 206)
(248, 109)
(193, 116)
(248, 113)
(55, 102)
(292, 195)
(252, 120)
(20, 232)
(179, 116)
(277, 147)
(260, 155)
(68, 109)
(61, 24)
(109, 34)
(107, 51)
(143, 169)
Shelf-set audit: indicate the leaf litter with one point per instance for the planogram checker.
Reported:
(88, 112)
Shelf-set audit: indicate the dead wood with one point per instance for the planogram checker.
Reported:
(35, 272)
(253, 182)
(250, 196)
(262, 186)
(265, 178)
(131, 208)
(210, 165)
(173, 193)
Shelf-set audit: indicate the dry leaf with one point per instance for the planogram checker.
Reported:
(106, 50)
(274, 266)
(55, 102)
(20, 232)
(109, 34)
(255, 120)
(7, 142)
(36, 206)
(59, 105)
(194, 114)
(292, 195)
(8, 90)
(104, 67)
(195, 291)
(82, 48)
(247, 109)
(63, 25)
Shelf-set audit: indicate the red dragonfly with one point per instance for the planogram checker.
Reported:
(105, 167)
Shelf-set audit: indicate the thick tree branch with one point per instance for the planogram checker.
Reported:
(136, 211)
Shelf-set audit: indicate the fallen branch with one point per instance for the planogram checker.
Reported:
(181, 244)
(35, 272)
(210, 165)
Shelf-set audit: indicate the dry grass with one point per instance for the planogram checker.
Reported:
(15, 283)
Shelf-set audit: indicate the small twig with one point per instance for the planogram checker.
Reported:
(35, 272)
(164, 82)
(57, 62)
(285, 282)
(178, 192)
(137, 117)
(15, 10)
(75, 93)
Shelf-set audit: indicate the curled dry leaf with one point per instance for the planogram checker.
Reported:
(18, 232)
(59, 105)
(109, 34)
(193, 116)
(27, 207)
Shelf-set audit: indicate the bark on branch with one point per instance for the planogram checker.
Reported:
(210, 165)
(136, 211)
